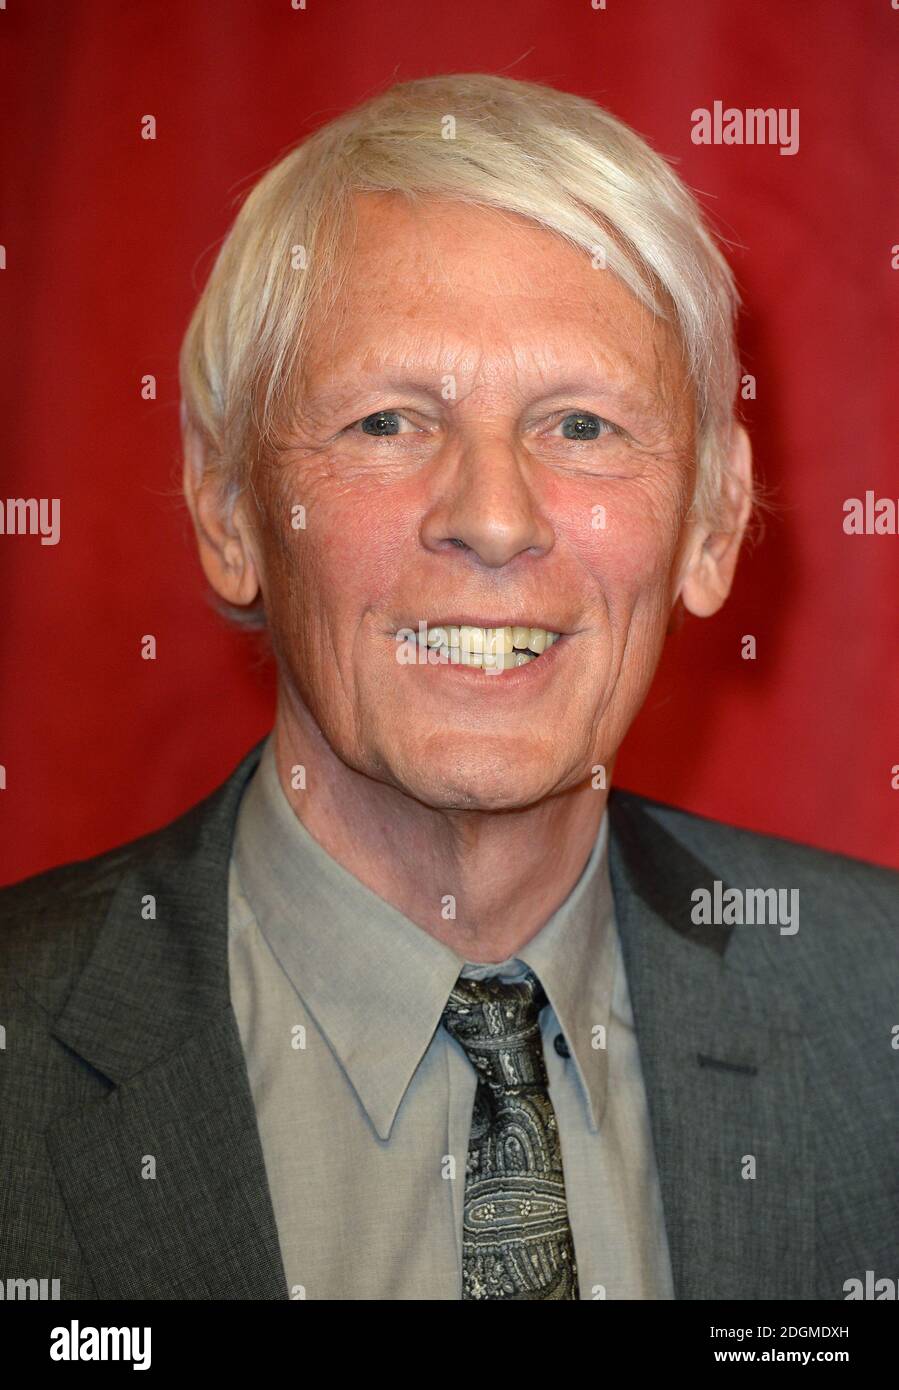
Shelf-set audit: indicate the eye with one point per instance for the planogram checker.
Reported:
(584, 425)
(381, 424)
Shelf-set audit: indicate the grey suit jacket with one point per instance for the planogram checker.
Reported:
(121, 1047)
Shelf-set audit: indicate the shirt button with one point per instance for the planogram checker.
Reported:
(561, 1046)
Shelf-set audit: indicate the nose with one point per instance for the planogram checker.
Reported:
(487, 506)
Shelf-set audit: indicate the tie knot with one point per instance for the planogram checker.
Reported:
(497, 1024)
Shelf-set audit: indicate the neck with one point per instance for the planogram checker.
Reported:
(482, 882)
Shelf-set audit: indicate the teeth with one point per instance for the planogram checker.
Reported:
(492, 649)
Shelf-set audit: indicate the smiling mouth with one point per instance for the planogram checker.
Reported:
(490, 648)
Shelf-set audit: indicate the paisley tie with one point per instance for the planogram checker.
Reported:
(516, 1240)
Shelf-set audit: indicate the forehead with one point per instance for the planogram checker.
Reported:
(442, 285)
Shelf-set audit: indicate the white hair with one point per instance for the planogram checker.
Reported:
(555, 158)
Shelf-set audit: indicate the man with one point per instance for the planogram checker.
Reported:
(412, 1007)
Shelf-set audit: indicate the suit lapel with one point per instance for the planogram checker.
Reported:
(164, 1180)
(164, 1177)
(722, 1058)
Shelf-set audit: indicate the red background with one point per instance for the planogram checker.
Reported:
(109, 238)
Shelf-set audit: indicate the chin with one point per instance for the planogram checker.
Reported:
(486, 782)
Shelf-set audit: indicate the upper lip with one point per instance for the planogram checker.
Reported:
(469, 621)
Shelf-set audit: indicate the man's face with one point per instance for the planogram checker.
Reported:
(491, 433)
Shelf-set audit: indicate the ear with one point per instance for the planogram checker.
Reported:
(222, 527)
(712, 556)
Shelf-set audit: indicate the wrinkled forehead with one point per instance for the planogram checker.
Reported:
(504, 305)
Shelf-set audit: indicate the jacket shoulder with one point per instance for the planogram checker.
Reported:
(50, 920)
(834, 886)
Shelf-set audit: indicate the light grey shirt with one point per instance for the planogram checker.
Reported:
(364, 1101)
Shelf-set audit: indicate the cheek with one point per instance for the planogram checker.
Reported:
(339, 563)
(628, 550)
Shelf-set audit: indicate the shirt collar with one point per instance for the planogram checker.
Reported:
(376, 983)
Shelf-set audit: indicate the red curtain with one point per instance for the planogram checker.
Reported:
(108, 238)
